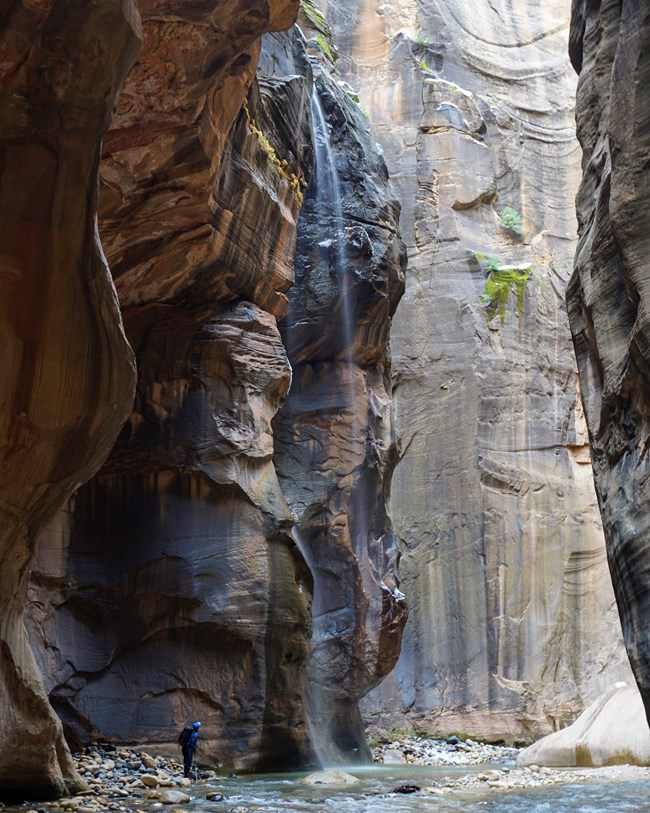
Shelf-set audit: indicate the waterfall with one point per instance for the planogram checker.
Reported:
(328, 196)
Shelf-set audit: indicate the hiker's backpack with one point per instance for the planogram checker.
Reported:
(184, 736)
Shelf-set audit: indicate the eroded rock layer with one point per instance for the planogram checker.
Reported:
(175, 572)
(513, 626)
(609, 294)
(67, 369)
(176, 585)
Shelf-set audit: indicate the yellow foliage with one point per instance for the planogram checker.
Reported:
(284, 168)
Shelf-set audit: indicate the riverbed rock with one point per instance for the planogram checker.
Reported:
(513, 626)
(149, 780)
(330, 777)
(612, 731)
(609, 296)
(173, 797)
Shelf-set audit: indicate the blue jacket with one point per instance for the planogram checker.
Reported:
(193, 740)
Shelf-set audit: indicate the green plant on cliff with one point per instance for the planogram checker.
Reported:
(500, 281)
(324, 45)
(296, 182)
(314, 15)
(313, 18)
(510, 220)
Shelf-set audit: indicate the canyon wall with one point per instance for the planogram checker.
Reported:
(173, 586)
(171, 589)
(609, 293)
(249, 488)
(513, 627)
(68, 371)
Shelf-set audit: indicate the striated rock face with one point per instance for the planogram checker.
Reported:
(168, 231)
(68, 373)
(513, 627)
(172, 588)
(335, 441)
(609, 294)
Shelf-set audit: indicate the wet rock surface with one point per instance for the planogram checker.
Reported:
(335, 445)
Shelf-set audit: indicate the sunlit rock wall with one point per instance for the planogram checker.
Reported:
(609, 293)
(178, 590)
(335, 441)
(513, 627)
(67, 370)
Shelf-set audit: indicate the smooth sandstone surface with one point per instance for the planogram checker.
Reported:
(609, 294)
(68, 373)
(613, 730)
(513, 627)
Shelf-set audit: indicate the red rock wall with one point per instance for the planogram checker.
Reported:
(181, 580)
(68, 373)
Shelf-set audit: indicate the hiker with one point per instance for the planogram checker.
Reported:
(188, 739)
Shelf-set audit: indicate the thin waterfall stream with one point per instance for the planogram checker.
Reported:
(328, 196)
(333, 612)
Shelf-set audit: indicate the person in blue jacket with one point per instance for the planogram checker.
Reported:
(189, 747)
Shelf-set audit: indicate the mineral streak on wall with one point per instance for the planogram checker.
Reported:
(513, 627)
(609, 294)
(334, 439)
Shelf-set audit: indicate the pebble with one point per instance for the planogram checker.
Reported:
(500, 778)
(415, 750)
(149, 780)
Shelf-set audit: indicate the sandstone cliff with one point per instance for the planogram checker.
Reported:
(609, 294)
(67, 369)
(513, 627)
(172, 586)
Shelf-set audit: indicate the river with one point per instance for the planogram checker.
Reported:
(286, 793)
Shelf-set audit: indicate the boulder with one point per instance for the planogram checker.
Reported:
(149, 780)
(330, 778)
(173, 797)
(612, 731)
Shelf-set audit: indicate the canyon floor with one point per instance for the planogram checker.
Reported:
(127, 781)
